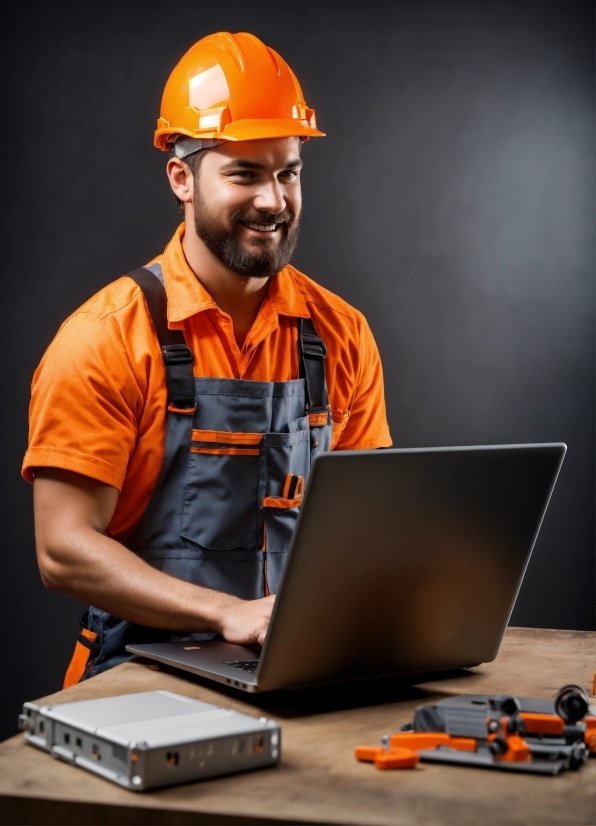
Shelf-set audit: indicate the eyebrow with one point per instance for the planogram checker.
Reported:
(244, 164)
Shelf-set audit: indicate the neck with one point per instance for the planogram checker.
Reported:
(236, 295)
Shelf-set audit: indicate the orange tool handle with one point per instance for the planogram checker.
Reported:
(543, 723)
(388, 758)
(367, 753)
(419, 740)
(590, 735)
(397, 759)
(555, 725)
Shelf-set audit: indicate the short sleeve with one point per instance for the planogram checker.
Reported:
(366, 427)
(85, 403)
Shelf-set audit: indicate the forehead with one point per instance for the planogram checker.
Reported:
(268, 153)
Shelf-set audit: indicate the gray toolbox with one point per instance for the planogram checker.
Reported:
(154, 738)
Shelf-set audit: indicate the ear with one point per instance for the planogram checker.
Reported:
(180, 178)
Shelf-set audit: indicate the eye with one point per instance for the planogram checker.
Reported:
(290, 174)
(246, 174)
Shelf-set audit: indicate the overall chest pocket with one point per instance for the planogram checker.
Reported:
(221, 499)
(285, 457)
(285, 453)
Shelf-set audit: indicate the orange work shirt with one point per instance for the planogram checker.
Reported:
(99, 397)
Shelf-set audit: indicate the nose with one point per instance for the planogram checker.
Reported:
(270, 197)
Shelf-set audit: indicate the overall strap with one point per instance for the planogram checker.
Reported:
(312, 368)
(178, 358)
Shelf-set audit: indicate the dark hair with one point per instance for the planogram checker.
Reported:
(193, 162)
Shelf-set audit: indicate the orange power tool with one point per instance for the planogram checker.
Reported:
(499, 732)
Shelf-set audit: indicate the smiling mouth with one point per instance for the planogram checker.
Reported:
(260, 227)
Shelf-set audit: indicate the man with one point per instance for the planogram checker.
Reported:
(172, 432)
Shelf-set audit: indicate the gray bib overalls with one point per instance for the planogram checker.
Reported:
(237, 455)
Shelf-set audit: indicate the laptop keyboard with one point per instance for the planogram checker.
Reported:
(249, 666)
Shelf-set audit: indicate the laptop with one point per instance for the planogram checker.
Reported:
(402, 562)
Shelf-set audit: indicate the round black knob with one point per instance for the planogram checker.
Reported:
(572, 703)
(506, 704)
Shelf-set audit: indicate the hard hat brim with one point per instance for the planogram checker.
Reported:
(242, 130)
(252, 130)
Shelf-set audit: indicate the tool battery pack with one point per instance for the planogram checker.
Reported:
(153, 738)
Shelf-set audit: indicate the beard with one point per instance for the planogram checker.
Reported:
(266, 256)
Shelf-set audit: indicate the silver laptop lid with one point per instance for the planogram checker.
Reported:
(406, 560)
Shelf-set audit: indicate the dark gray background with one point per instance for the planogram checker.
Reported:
(452, 202)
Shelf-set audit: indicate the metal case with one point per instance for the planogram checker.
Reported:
(153, 738)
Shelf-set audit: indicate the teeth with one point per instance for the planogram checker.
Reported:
(261, 227)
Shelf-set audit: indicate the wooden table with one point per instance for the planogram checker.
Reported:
(319, 781)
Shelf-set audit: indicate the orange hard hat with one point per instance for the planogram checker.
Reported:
(233, 87)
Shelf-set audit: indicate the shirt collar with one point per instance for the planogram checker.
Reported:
(284, 297)
(187, 296)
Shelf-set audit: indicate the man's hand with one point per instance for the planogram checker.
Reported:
(76, 557)
(246, 621)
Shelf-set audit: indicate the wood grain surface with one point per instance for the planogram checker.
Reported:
(319, 781)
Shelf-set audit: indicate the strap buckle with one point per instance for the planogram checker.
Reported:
(176, 354)
(182, 405)
(180, 385)
(313, 346)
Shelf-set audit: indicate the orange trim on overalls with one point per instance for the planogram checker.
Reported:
(185, 411)
(241, 444)
(79, 661)
(318, 419)
(227, 438)
(226, 451)
(280, 502)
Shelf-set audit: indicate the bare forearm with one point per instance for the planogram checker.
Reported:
(94, 568)
(75, 556)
